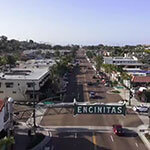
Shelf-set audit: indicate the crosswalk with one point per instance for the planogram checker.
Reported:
(99, 129)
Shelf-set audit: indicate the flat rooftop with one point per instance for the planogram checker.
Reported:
(37, 63)
(24, 74)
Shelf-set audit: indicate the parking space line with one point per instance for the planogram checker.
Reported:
(112, 138)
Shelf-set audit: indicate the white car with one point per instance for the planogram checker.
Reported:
(141, 108)
(123, 101)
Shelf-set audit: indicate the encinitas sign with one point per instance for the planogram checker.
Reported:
(100, 109)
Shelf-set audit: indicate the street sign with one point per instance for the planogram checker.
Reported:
(100, 109)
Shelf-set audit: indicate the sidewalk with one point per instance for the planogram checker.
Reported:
(39, 113)
(21, 132)
(124, 93)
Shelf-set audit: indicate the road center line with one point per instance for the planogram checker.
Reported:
(94, 141)
(112, 138)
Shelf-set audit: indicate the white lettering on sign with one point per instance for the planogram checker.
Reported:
(99, 109)
(108, 109)
(119, 109)
(113, 110)
(84, 109)
(79, 109)
(91, 109)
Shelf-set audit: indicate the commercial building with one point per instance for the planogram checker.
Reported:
(23, 84)
(128, 62)
(136, 72)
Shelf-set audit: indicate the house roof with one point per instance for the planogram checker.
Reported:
(141, 79)
(1, 104)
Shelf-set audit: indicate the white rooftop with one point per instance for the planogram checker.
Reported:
(24, 74)
(37, 63)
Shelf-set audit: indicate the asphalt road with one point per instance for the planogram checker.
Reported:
(79, 89)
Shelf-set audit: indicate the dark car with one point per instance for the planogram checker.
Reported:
(89, 83)
(94, 77)
(92, 95)
(118, 130)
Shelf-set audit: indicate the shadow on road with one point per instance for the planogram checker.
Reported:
(129, 133)
(74, 144)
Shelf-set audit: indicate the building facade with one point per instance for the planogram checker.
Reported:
(23, 84)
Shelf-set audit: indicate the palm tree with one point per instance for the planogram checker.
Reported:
(99, 61)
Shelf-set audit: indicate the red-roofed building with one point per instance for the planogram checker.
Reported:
(141, 81)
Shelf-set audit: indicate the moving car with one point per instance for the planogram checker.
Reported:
(118, 130)
(141, 108)
(92, 95)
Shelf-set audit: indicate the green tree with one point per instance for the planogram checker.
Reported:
(99, 62)
(10, 60)
(57, 53)
(89, 54)
(6, 142)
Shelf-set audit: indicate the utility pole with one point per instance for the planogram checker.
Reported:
(130, 96)
(34, 119)
(149, 117)
(130, 93)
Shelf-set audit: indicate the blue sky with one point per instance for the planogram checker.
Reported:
(111, 22)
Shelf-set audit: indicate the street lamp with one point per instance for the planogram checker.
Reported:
(10, 104)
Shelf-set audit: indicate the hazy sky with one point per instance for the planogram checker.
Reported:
(112, 22)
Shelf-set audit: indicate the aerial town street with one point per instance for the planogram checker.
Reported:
(79, 132)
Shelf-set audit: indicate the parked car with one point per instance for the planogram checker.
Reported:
(89, 83)
(92, 94)
(141, 108)
(94, 77)
(107, 84)
(118, 130)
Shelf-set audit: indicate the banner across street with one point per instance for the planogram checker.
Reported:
(100, 109)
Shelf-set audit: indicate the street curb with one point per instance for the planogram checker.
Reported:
(144, 139)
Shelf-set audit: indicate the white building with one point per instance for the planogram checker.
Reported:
(135, 71)
(123, 61)
(20, 83)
